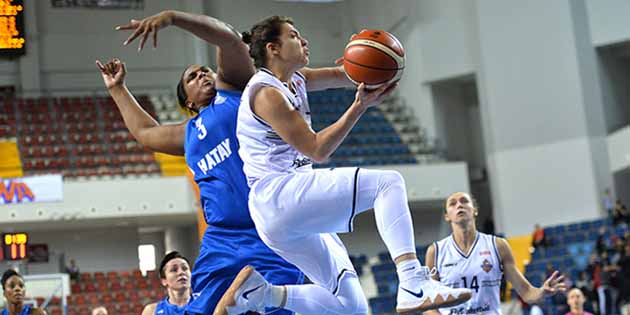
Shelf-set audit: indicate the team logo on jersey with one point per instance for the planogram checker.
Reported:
(485, 253)
(219, 99)
(299, 162)
(486, 266)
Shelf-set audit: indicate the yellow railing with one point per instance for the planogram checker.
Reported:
(10, 163)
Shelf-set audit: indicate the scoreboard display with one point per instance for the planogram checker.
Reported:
(14, 246)
(12, 39)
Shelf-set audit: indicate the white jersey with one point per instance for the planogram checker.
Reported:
(262, 150)
(480, 270)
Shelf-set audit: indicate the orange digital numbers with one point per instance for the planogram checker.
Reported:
(12, 40)
(15, 245)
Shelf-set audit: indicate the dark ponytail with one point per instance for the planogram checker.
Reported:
(265, 31)
(247, 37)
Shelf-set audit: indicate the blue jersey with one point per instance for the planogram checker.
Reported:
(25, 311)
(211, 150)
(166, 308)
(230, 241)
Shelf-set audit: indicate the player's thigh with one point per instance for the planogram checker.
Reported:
(304, 203)
(321, 257)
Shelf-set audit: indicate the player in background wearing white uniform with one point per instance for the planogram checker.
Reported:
(297, 210)
(471, 259)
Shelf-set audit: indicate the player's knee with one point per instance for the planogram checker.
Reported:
(356, 306)
(361, 307)
(352, 298)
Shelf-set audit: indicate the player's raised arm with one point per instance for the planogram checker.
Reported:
(272, 107)
(235, 67)
(166, 139)
(326, 78)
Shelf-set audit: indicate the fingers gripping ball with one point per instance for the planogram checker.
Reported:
(374, 57)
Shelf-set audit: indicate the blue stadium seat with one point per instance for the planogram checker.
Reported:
(573, 227)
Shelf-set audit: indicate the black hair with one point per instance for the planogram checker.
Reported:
(170, 256)
(265, 31)
(181, 94)
(8, 274)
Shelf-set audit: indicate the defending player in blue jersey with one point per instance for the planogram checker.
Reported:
(14, 291)
(209, 143)
(175, 277)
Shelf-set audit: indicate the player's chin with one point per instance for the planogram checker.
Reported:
(305, 61)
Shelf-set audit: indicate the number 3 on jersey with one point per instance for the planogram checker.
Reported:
(473, 284)
(202, 129)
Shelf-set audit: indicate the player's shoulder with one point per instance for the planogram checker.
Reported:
(149, 309)
(436, 247)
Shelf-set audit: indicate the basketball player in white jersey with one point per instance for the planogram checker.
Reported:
(471, 259)
(297, 210)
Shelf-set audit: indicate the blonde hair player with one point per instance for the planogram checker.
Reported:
(470, 259)
(296, 209)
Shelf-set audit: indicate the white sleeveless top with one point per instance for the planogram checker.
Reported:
(480, 270)
(262, 150)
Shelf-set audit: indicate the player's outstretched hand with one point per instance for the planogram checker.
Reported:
(368, 98)
(554, 284)
(146, 27)
(113, 72)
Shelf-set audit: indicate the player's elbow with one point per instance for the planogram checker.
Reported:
(319, 155)
(319, 158)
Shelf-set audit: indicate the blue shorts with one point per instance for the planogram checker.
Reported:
(223, 253)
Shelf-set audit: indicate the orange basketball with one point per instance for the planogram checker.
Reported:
(374, 57)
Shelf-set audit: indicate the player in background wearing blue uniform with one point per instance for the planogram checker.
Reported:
(14, 291)
(175, 277)
(208, 140)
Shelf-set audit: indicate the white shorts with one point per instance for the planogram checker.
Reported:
(297, 214)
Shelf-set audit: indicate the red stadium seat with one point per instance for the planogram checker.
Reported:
(75, 288)
(102, 286)
(142, 284)
(137, 308)
(133, 296)
(144, 294)
(120, 297)
(158, 294)
(156, 284)
(115, 285)
(107, 298)
(79, 299)
(113, 275)
(129, 285)
(90, 287)
(93, 299)
(123, 308)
